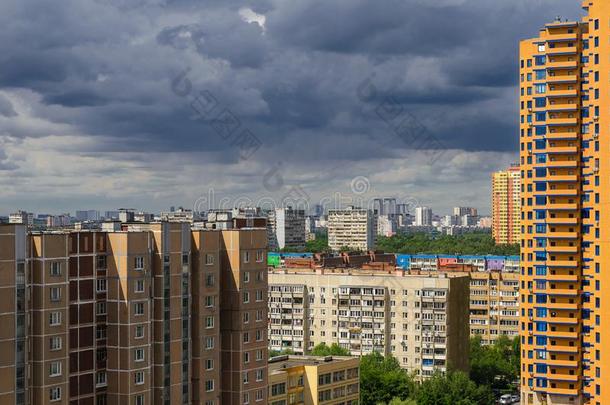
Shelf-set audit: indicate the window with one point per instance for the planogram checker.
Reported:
(209, 301)
(55, 343)
(139, 263)
(100, 285)
(246, 297)
(139, 286)
(259, 295)
(55, 294)
(209, 259)
(246, 337)
(100, 308)
(209, 385)
(139, 377)
(101, 262)
(140, 399)
(246, 317)
(259, 375)
(139, 331)
(209, 322)
(138, 308)
(55, 269)
(55, 369)
(209, 364)
(100, 332)
(55, 394)
(209, 280)
(246, 276)
(138, 354)
(259, 335)
(259, 256)
(209, 342)
(100, 379)
(246, 257)
(54, 318)
(246, 357)
(259, 395)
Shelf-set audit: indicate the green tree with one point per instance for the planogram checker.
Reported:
(383, 380)
(398, 401)
(318, 245)
(453, 388)
(275, 353)
(495, 366)
(333, 350)
(476, 243)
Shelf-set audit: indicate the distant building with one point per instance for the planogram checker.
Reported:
(506, 206)
(88, 215)
(385, 206)
(352, 227)
(21, 217)
(143, 217)
(126, 214)
(387, 225)
(59, 221)
(423, 216)
(111, 215)
(178, 215)
(286, 228)
(461, 211)
(314, 380)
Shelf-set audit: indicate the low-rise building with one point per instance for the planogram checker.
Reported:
(314, 380)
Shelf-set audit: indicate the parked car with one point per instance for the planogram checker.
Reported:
(506, 399)
(515, 399)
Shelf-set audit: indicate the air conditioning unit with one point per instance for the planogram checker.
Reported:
(595, 135)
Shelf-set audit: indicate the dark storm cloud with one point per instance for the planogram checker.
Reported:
(105, 68)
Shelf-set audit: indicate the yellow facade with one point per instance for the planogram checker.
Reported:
(564, 154)
(296, 380)
(506, 206)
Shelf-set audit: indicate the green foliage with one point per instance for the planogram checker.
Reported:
(476, 243)
(383, 380)
(275, 353)
(398, 401)
(497, 365)
(453, 388)
(318, 245)
(333, 350)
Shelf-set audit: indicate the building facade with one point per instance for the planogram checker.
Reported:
(314, 380)
(565, 154)
(353, 228)
(133, 315)
(506, 206)
(421, 320)
(423, 216)
(286, 228)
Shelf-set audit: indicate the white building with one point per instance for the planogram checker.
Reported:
(21, 217)
(286, 228)
(387, 225)
(423, 216)
(352, 227)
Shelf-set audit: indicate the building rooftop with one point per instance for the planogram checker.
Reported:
(279, 364)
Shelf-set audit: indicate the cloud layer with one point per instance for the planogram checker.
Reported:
(93, 112)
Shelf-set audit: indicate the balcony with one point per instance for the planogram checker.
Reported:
(565, 135)
(565, 192)
(552, 38)
(561, 363)
(560, 334)
(562, 320)
(561, 93)
(562, 249)
(561, 207)
(561, 305)
(562, 79)
(561, 149)
(559, 291)
(562, 221)
(570, 164)
(562, 263)
(572, 64)
(561, 50)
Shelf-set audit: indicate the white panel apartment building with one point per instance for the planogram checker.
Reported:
(421, 320)
(352, 227)
(286, 228)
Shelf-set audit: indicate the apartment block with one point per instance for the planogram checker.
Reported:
(286, 228)
(132, 315)
(506, 206)
(314, 380)
(565, 154)
(494, 305)
(353, 228)
(421, 320)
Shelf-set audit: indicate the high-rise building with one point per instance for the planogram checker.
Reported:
(154, 313)
(21, 217)
(422, 320)
(286, 228)
(565, 248)
(506, 206)
(88, 215)
(461, 211)
(423, 216)
(353, 228)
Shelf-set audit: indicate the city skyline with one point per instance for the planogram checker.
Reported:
(110, 110)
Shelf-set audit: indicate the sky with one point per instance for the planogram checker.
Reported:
(157, 103)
